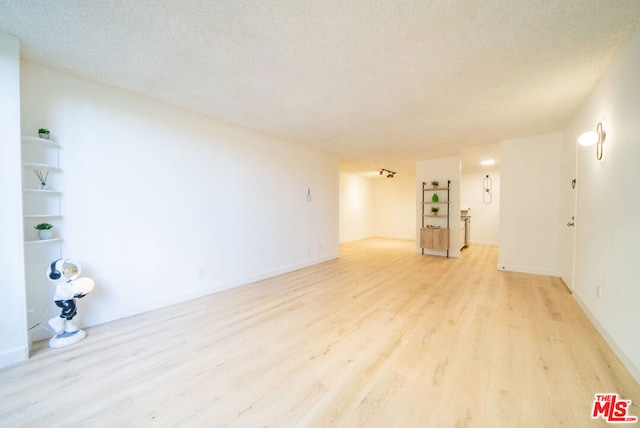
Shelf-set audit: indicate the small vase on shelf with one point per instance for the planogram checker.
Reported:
(44, 234)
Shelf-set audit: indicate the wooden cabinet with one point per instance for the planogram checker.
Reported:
(434, 238)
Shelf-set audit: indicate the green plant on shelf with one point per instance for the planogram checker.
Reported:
(435, 183)
(43, 226)
(434, 210)
(43, 133)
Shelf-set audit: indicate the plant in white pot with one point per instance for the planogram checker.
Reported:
(44, 230)
(43, 133)
(434, 210)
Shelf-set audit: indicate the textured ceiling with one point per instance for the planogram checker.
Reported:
(381, 83)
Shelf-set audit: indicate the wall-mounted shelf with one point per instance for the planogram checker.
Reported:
(42, 241)
(42, 216)
(45, 191)
(38, 140)
(41, 166)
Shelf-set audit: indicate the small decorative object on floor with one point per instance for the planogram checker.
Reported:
(43, 133)
(42, 177)
(435, 183)
(64, 273)
(434, 198)
(434, 210)
(44, 230)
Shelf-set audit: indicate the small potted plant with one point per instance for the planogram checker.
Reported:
(44, 230)
(43, 133)
(435, 183)
(434, 210)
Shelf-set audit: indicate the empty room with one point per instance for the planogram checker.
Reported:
(412, 214)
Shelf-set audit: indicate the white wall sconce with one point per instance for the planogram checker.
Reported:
(594, 137)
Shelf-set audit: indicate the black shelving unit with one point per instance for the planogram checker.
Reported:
(431, 203)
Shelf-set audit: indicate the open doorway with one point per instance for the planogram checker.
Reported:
(480, 195)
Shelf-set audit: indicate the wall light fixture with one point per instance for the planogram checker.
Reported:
(596, 137)
(390, 174)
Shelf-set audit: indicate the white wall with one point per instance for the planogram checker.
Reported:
(442, 169)
(380, 207)
(607, 231)
(162, 205)
(13, 331)
(485, 218)
(530, 178)
(395, 207)
(357, 208)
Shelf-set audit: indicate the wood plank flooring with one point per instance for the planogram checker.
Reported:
(380, 337)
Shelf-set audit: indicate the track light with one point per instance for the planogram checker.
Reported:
(390, 174)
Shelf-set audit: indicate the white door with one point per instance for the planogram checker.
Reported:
(567, 216)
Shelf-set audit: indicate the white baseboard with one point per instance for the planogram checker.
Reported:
(13, 356)
(355, 239)
(528, 269)
(113, 314)
(626, 361)
(411, 237)
(486, 243)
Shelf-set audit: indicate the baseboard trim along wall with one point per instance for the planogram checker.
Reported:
(14, 356)
(194, 294)
(528, 269)
(486, 243)
(626, 361)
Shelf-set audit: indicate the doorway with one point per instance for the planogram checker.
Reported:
(480, 194)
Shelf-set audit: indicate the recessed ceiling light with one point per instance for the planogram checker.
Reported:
(487, 162)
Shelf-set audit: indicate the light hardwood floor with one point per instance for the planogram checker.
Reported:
(380, 337)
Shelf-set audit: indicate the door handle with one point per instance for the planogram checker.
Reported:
(570, 223)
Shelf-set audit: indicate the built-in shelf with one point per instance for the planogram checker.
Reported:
(41, 166)
(40, 206)
(42, 216)
(50, 191)
(42, 241)
(426, 189)
(38, 140)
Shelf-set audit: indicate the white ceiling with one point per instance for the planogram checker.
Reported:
(382, 83)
